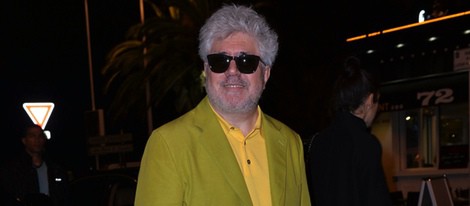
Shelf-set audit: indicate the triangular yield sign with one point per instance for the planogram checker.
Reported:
(39, 112)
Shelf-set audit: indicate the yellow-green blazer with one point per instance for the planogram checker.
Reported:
(189, 161)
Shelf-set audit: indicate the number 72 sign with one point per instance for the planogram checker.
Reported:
(451, 88)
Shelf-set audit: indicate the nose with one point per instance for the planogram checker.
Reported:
(232, 67)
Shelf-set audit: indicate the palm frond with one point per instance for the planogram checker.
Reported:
(161, 52)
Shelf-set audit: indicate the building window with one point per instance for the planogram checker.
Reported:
(436, 137)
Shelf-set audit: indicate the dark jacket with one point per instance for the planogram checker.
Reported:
(19, 183)
(346, 167)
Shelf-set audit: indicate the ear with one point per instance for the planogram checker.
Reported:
(369, 100)
(363, 109)
(205, 71)
(267, 73)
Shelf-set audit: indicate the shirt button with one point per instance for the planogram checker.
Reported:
(248, 161)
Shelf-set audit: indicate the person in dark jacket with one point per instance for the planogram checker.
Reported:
(30, 177)
(345, 158)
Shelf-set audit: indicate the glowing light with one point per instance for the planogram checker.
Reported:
(48, 134)
(421, 17)
(433, 38)
(408, 26)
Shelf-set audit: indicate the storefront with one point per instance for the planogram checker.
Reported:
(423, 125)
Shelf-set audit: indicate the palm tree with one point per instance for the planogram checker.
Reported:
(158, 63)
(159, 54)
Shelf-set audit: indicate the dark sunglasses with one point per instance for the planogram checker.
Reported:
(246, 63)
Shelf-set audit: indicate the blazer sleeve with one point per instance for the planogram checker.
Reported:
(160, 186)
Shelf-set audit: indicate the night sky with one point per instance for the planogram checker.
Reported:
(44, 58)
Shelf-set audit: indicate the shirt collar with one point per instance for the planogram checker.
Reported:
(226, 126)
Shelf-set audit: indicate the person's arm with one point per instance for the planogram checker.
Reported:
(305, 195)
(158, 182)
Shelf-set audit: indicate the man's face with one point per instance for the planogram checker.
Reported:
(233, 91)
(35, 140)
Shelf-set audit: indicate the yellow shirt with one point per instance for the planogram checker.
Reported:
(252, 159)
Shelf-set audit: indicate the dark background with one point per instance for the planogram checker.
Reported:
(45, 58)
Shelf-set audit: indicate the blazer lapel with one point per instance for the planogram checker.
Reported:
(277, 149)
(217, 145)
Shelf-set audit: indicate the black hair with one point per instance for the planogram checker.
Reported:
(353, 86)
(25, 130)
